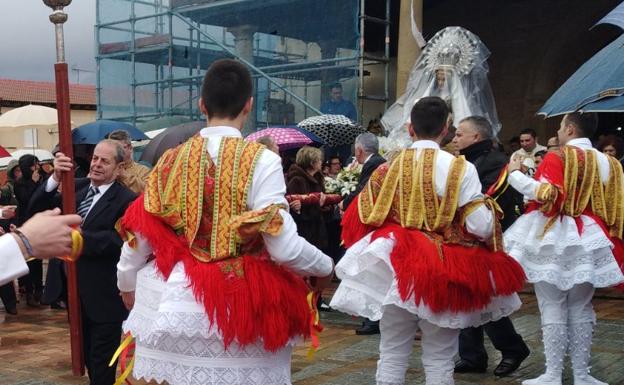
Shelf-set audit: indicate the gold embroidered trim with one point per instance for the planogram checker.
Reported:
(496, 242)
(448, 207)
(409, 189)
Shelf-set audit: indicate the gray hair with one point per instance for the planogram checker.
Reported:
(368, 142)
(266, 140)
(481, 125)
(120, 154)
(120, 135)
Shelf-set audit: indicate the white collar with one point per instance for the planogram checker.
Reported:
(220, 131)
(368, 158)
(583, 143)
(425, 143)
(102, 188)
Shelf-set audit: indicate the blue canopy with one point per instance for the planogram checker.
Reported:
(597, 86)
(615, 17)
(94, 132)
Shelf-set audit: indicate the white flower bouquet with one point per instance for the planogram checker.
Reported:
(345, 182)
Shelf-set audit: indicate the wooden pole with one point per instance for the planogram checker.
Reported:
(69, 206)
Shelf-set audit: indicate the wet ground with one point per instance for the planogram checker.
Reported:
(34, 350)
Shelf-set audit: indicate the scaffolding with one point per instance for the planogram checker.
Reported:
(152, 55)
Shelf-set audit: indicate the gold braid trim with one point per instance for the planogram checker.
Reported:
(547, 195)
(427, 159)
(374, 210)
(585, 190)
(571, 169)
(408, 193)
(496, 242)
(250, 224)
(598, 202)
(407, 187)
(448, 207)
(615, 194)
(416, 212)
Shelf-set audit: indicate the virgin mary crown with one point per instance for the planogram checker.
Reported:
(453, 48)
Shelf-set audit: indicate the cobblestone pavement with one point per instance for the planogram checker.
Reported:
(34, 350)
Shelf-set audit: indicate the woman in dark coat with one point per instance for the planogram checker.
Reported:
(24, 189)
(305, 177)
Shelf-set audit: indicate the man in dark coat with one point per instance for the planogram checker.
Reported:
(366, 154)
(100, 201)
(474, 138)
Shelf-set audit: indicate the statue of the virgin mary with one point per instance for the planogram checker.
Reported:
(453, 66)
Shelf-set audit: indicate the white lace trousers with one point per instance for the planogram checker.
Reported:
(398, 329)
(565, 307)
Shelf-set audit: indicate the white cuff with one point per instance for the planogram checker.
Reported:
(12, 263)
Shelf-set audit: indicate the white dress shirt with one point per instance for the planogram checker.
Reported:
(479, 222)
(52, 185)
(267, 188)
(12, 263)
(529, 154)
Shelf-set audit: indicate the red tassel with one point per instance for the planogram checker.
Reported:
(248, 298)
(459, 279)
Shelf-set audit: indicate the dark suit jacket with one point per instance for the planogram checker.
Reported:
(367, 170)
(97, 266)
(489, 163)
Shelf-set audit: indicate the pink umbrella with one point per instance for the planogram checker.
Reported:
(285, 138)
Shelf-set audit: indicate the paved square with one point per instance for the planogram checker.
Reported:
(34, 350)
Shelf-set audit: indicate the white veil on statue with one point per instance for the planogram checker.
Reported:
(453, 66)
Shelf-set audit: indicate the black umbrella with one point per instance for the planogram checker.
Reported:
(334, 130)
(170, 138)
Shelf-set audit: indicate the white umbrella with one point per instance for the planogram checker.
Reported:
(30, 115)
(4, 162)
(42, 155)
(152, 134)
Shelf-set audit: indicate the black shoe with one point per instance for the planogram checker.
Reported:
(509, 365)
(463, 366)
(58, 305)
(11, 310)
(32, 301)
(367, 329)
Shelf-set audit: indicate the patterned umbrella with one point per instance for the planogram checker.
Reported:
(285, 138)
(335, 130)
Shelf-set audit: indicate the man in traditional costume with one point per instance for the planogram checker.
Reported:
(569, 242)
(223, 301)
(425, 253)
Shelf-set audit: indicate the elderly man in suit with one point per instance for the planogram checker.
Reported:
(366, 154)
(473, 139)
(100, 201)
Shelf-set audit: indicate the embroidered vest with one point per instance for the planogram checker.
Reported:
(582, 189)
(204, 202)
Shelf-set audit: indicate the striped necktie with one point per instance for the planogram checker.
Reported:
(85, 205)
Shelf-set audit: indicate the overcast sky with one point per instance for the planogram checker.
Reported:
(28, 46)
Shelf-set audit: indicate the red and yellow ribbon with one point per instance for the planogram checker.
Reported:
(315, 324)
(122, 353)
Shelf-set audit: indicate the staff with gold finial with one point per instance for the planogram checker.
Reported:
(58, 17)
